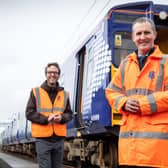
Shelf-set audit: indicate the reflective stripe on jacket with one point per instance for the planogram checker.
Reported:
(45, 107)
(143, 139)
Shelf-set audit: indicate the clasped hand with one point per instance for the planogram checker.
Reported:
(54, 117)
(132, 105)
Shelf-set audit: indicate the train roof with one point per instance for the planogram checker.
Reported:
(122, 5)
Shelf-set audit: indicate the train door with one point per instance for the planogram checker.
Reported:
(87, 78)
(80, 70)
(84, 89)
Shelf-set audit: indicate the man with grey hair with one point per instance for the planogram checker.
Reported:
(139, 91)
(142, 20)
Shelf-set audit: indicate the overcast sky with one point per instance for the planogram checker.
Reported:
(33, 33)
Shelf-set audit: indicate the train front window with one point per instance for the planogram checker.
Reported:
(123, 45)
(125, 18)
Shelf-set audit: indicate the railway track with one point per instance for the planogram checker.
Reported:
(14, 160)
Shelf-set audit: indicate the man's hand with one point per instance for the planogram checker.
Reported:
(51, 117)
(57, 118)
(132, 106)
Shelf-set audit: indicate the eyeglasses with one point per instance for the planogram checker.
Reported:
(53, 72)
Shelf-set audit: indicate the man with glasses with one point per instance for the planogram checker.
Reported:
(49, 110)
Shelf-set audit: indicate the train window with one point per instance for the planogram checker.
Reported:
(123, 45)
(125, 18)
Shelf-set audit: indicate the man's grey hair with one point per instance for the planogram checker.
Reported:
(143, 20)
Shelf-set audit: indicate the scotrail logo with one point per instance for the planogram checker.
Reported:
(151, 75)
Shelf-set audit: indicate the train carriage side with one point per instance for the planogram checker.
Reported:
(85, 75)
(94, 61)
(97, 60)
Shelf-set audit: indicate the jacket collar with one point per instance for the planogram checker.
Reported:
(153, 53)
(51, 89)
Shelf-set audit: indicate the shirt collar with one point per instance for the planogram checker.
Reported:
(146, 55)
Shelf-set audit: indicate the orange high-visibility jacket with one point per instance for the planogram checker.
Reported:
(143, 139)
(45, 107)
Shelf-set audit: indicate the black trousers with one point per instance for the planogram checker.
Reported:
(50, 154)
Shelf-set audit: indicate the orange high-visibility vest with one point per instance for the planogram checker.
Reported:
(143, 139)
(45, 107)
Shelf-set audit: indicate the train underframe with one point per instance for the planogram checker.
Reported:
(101, 153)
(96, 152)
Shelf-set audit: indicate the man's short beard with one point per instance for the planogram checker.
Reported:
(52, 84)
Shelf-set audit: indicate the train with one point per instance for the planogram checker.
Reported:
(92, 134)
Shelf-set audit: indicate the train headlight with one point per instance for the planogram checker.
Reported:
(162, 15)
